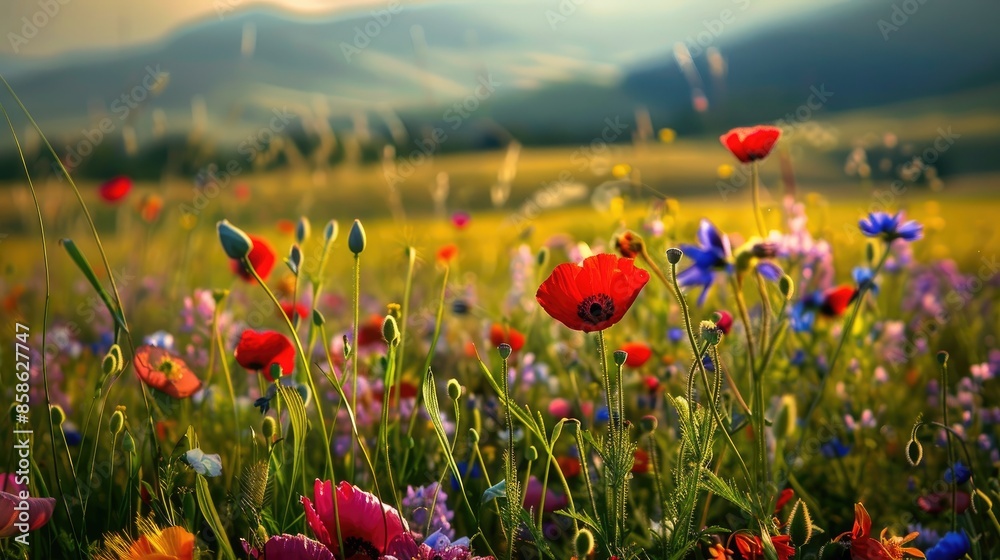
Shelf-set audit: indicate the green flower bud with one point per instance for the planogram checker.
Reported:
(787, 287)
(356, 239)
(473, 436)
(505, 350)
(584, 542)
(318, 318)
(58, 415)
(347, 348)
(870, 252)
(269, 427)
(302, 230)
(117, 422)
(331, 231)
(128, 443)
(113, 360)
(942, 358)
(219, 295)
(532, 453)
(454, 389)
(543, 257)
(294, 259)
(411, 255)
(275, 371)
(235, 242)
(390, 331)
(674, 255)
(620, 356)
(710, 333)
(648, 423)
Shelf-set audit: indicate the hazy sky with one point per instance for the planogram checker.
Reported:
(79, 25)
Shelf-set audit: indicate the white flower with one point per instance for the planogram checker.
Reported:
(207, 465)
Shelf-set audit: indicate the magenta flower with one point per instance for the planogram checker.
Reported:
(367, 526)
(20, 513)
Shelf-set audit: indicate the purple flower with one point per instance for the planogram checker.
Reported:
(890, 228)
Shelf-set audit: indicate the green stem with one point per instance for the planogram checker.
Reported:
(354, 346)
(755, 190)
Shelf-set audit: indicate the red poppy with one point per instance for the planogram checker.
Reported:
(594, 295)
(725, 322)
(503, 333)
(447, 253)
(407, 389)
(836, 300)
(638, 353)
(115, 189)
(258, 351)
(165, 372)
(261, 257)
(641, 463)
(652, 383)
(290, 309)
(570, 466)
(751, 547)
(286, 226)
(242, 191)
(560, 408)
(751, 143)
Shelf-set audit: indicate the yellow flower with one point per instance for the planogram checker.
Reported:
(667, 135)
(725, 171)
(621, 170)
(172, 543)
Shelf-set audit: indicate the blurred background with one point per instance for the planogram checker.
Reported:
(405, 107)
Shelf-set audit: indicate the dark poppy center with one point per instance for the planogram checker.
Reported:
(596, 309)
(356, 548)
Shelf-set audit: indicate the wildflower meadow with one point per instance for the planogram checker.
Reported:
(602, 367)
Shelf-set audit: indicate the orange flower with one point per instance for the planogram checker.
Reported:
(286, 226)
(150, 207)
(751, 547)
(863, 547)
(719, 552)
(447, 253)
(165, 372)
(172, 543)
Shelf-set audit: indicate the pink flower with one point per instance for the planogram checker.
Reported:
(19, 512)
(533, 497)
(367, 526)
(288, 547)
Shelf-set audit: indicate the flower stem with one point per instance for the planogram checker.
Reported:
(354, 346)
(755, 191)
(951, 449)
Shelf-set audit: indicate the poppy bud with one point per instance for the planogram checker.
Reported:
(347, 347)
(454, 389)
(786, 286)
(219, 295)
(117, 422)
(302, 230)
(473, 436)
(58, 415)
(505, 350)
(914, 452)
(330, 232)
(723, 320)
(870, 252)
(356, 240)
(629, 244)
(543, 257)
(584, 542)
(390, 331)
(269, 428)
(295, 259)
(235, 242)
(113, 360)
(674, 255)
(275, 371)
(648, 423)
(532, 453)
(318, 318)
(711, 333)
(128, 443)
(942, 358)
(411, 255)
(620, 356)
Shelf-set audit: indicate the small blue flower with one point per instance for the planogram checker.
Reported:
(953, 546)
(959, 473)
(675, 334)
(863, 276)
(160, 339)
(206, 465)
(707, 360)
(602, 415)
(835, 449)
(890, 228)
(712, 254)
(468, 470)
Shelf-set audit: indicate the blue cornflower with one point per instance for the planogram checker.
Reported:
(890, 228)
(675, 334)
(713, 254)
(864, 276)
(959, 473)
(835, 449)
(953, 546)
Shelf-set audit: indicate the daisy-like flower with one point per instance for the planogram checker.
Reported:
(259, 351)
(891, 227)
(367, 526)
(749, 144)
(165, 372)
(172, 543)
(594, 295)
